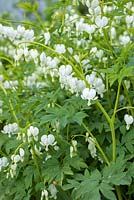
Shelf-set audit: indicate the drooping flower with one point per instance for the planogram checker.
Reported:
(3, 162)
(48, 140)
(124, 39)
(129, 120)
(32, 132)
(10, 129)
(101, 22)
(73, 148)
(89, 94)
(53, 191)
(47, 37)
(44, 193)
(60, 48)
(91, 147)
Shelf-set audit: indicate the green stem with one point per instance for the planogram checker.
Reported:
(4, 58)
(97, 144)
(35, 161)
(103, 111)
(113, 121)
(113, 140)
(118, 191)
(124, 108)
(117, 98)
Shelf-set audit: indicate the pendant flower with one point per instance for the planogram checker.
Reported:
(48, 140)
(89, 94)
(129, 120)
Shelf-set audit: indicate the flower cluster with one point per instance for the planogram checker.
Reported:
(90, 57)
(67, 81)
(15, 159)
(18, 35)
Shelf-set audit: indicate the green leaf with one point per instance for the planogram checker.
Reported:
(116, 174)
(28, 179)
(78, 117)
(126, 72)
(12, 144)
(119, 73)
(106, 190)
(89, 188)
(76, 162)
(27, 6)
(54, 171)
(71, 184)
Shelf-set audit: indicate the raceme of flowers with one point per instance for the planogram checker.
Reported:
(48, 65)
(78, 66)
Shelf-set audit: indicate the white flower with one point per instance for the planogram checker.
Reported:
(101, 22)
(34, 55)
(26, 54)
(30, 81)
(76, 57)
(97, 10)
(90, 28)
(92, 3)
(15, 158)
(60, 48)
(28, 35)
(32, 131)
(47, 37)
(19, 54)
(43, 58)
(3, 162)
(73, 148)
(113, 32)
(70, 50)
(129, 19)
(124, 39)
(56, 148)
(65, 70)
(44, 193)
(22, 152)
(53, 191)
(93, 50)
(20, 30)
(13, 170)
(89, 94)
(91, 147)
(99, 53)
(47, 140)
(91, 78)
(10, 84)
(127, 84)
(10, 129)
(129, 120)
(48, 157)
